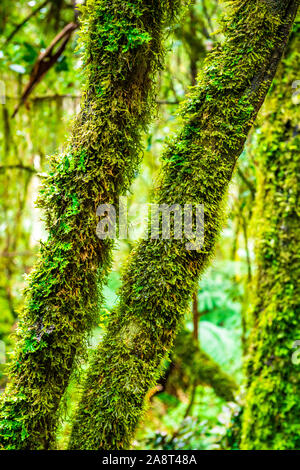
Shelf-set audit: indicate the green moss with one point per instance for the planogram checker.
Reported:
(272, 407)
(122, 51)
(161, 274)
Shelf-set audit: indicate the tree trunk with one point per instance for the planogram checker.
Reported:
(272, 408)
(122, 53)
(162, 274)
(192, 366)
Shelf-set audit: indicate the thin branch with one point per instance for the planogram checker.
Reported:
(192, 400)
(14, 254)
(44, 97)
(46, 60)
(247, 182)
(245, 233)
(3, 168)
(74, 97)
(20, 25)
(207, 16)
(167, 102)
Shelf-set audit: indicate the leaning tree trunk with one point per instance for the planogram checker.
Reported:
(122, 53)
(272, 408)
(162, 274)
(192, 366)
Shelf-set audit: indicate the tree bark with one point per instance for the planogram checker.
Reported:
(192, 366)
(162, 274)
(270, 417)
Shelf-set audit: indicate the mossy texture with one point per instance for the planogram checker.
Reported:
(122, 44)
(192, 366)
(272, 409)
(161, 275)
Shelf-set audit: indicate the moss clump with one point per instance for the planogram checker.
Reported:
(272, 407)
(161, 274)
(122, 43)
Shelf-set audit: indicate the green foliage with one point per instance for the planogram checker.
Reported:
(19, 53)
(272, 401)
(219, 302)
(205, 430)
(231, 440)
(161, 275)
(36, 131)
(191, 431)
(122, 51)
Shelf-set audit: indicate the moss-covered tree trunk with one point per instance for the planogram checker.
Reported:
(122, 53)
(162, 274)
(192, 366)
(272, 408)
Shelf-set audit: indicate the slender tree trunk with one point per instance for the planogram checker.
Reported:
(272, 408)
(195, 313)
(162, 274)
(122, 53)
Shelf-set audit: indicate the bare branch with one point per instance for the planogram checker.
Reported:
(46, 60)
